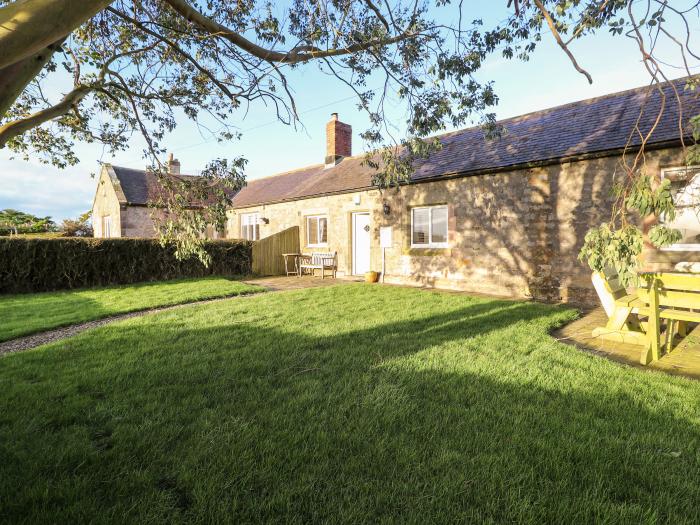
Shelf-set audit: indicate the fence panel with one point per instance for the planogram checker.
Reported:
(267, 252)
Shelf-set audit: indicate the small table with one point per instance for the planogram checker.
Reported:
(294, 270)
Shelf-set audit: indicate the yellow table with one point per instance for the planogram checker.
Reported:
(670, 296)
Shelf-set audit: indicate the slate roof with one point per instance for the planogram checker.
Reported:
(141, 187)
(588, 127)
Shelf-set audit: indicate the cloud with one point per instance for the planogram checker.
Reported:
(44, 190)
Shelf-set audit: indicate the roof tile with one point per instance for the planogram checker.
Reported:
(590, 126)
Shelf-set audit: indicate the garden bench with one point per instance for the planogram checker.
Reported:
(319, 261)
(670, 296)
(622, 308)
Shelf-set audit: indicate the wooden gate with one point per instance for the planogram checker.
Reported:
(267, 252)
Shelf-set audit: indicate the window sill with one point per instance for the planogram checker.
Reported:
(427, 252)
(681, 248)
(316, 246)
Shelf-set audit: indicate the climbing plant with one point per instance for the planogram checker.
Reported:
(619, 244)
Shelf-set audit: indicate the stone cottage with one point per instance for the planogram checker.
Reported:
(122, 203)
(504, 216)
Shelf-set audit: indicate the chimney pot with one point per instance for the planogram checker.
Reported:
(338, 141)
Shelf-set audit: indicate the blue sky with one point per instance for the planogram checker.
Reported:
(548, 79)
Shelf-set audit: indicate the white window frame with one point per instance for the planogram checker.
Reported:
(430, 243)
(681, 247)
(250, 219)
(318, 231)
(106, 226)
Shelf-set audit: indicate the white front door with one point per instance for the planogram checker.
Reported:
(360, 243)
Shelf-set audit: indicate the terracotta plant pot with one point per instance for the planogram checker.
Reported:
(371, 277)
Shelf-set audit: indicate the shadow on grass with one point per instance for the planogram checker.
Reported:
(27, 314)
(439, 418)
(24, 315)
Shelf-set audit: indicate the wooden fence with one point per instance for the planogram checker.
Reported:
(267, 252)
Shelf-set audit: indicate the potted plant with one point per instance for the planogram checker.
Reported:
(371, 277)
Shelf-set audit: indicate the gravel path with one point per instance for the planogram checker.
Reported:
(32, 341)
(273, 284)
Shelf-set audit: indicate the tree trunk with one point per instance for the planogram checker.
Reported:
(14, 78)
(27, 27)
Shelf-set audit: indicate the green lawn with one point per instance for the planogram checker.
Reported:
(347, 404)
(29, 313)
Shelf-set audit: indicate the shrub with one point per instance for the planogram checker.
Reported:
(36, 265)
(79, 227)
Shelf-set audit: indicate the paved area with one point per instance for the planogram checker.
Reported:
(684, 359)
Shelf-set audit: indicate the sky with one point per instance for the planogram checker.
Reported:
(547, 80)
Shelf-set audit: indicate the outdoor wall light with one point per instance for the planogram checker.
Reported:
(386, 208)
(264, 220)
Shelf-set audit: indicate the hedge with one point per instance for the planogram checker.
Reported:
(37, 265)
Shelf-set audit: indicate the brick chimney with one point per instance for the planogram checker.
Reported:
(338, 141)
(173, 165)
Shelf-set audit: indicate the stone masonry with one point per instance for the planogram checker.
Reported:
(514, 233)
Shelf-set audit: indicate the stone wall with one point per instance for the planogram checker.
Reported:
(137, 222)
(515, 233)
(106, 204)
(128, 220)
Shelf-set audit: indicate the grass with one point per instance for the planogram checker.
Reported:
(347, 404)
(25, 314)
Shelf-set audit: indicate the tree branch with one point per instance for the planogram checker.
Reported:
(377, 12)
(557, 37)
(293, 56)
(19, 126)
(177, 49)
(73, 98)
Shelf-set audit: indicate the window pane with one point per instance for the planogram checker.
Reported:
(439, 225)
(686, 192)
(312, 230)
(250, 229)
(323, 229)
(421, 218)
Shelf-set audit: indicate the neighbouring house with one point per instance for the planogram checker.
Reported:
(502, 216)
(122, 206)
